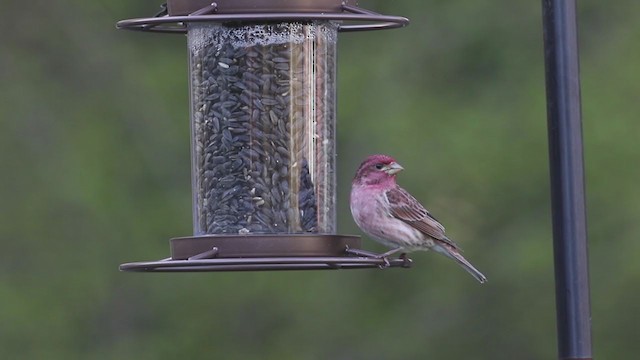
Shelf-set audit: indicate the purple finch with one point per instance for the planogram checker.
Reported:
(390, 215)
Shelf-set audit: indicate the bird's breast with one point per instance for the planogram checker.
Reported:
(371, 212)
(367, 205)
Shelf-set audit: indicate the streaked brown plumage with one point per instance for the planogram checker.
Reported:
(389, 214)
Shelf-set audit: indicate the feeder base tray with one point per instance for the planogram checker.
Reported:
(266, 252)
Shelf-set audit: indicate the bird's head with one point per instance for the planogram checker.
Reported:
(377, 169)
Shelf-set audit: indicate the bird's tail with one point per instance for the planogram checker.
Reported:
(452, 253)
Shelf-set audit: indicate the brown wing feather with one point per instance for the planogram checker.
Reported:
(406, 208)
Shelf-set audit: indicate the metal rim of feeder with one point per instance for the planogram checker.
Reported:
(277, 251)
(262, 264)
(177, 13)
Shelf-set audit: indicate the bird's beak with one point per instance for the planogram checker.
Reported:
(393, 168)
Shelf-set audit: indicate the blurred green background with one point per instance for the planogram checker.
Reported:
(94, 155)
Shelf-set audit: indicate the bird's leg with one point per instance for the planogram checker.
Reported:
(388, 253)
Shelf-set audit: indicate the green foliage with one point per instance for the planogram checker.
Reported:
(94, 152)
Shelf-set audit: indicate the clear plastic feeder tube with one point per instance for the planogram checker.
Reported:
(263, 114)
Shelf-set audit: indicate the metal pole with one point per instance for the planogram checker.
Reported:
(567, 179)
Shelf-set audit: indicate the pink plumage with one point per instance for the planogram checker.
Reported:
(390, 215)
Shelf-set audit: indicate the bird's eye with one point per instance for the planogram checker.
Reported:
(379, 166)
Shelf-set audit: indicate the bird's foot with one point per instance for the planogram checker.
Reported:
(384, 256)
(406, 262)
(385, 263)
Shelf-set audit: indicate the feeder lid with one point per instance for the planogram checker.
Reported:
(186, 7)
(176, 14)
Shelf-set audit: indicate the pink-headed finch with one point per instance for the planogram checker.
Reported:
(390, 215)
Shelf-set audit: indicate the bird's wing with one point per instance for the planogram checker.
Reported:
(406, 208)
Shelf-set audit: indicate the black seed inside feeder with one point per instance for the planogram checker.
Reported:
(263, 117)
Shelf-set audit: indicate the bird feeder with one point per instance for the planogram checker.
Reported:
(262, 77)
